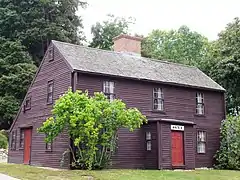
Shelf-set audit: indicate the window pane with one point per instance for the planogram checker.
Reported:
(200, 109)
(201, 147)
(149, 146)
(111, 87)
(50, 88)
(148, 135)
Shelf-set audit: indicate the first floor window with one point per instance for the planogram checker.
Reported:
(48, 146)
(21, 143)
(108, 89)
(158, 99)
(201, 142)
(148, 141)
(13, 140)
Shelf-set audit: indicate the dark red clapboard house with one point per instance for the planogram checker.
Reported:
(184, 107)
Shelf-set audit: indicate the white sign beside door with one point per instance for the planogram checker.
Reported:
(177, 128)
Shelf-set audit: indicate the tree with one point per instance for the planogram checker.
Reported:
(181, 46)
(92, 123)
(16, 73)
(104, 32)
(226, 71)
(228, 156)
(36, 22)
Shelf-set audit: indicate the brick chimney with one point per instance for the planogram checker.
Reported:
(128, 44)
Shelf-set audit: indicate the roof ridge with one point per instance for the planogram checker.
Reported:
(115, 52)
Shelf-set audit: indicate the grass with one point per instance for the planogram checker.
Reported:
(33, 173)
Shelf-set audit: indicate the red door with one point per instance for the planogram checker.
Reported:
(27, 145)
(177, 148)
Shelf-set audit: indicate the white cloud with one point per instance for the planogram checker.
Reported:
(207, 17)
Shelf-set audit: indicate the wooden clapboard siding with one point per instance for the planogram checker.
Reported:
(58, 71)
(179, 103)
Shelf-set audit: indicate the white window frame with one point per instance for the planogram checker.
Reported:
(109, 90)
(148, 141)
(199, 103)
(158, 99)
(201, 141)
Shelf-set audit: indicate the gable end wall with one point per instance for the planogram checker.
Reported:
(58, 71)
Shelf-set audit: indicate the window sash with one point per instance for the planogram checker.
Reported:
(149, 145)
(21, 143)
(13, 140)
(148, 135)
(199, 103)
(158, 101)
(108, 89)
(201, 136)
(50, 92)
(201, 141)
(201, 147)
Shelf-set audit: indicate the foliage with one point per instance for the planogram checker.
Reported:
(226, 71)
(228, 156)
(26, 28)
(16, 73)
(104, 32)
(3, 140)
(36, 22)
(92, 123)
(181, 46)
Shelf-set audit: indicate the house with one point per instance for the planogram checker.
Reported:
(184, 107)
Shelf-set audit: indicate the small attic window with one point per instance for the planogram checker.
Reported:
(50, 54)
(27, 104)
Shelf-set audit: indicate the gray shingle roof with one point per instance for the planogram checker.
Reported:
(119, 64)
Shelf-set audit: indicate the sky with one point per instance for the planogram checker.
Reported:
(207, 17)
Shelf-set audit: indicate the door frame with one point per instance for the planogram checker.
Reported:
(30, 156)
(183, 143)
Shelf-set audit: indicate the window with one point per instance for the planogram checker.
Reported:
(49, 146)
(21, 143)
(50, 92)
(50, 54)
(27, 104)
(148, 141)
(108, 89)
(199, 104)
(158, 99)
(13, 140)
(201, 142)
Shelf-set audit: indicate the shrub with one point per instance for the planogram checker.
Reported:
(228, 156)
(92, 123)
(3, 140)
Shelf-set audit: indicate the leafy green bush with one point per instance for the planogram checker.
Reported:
(92, 123)
(3, 140)
(228, 156)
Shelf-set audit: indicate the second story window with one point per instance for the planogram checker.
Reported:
(158, 99)
(108, 89)
(50, 92)
(199, 104)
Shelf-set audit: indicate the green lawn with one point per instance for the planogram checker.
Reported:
(33, 173)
